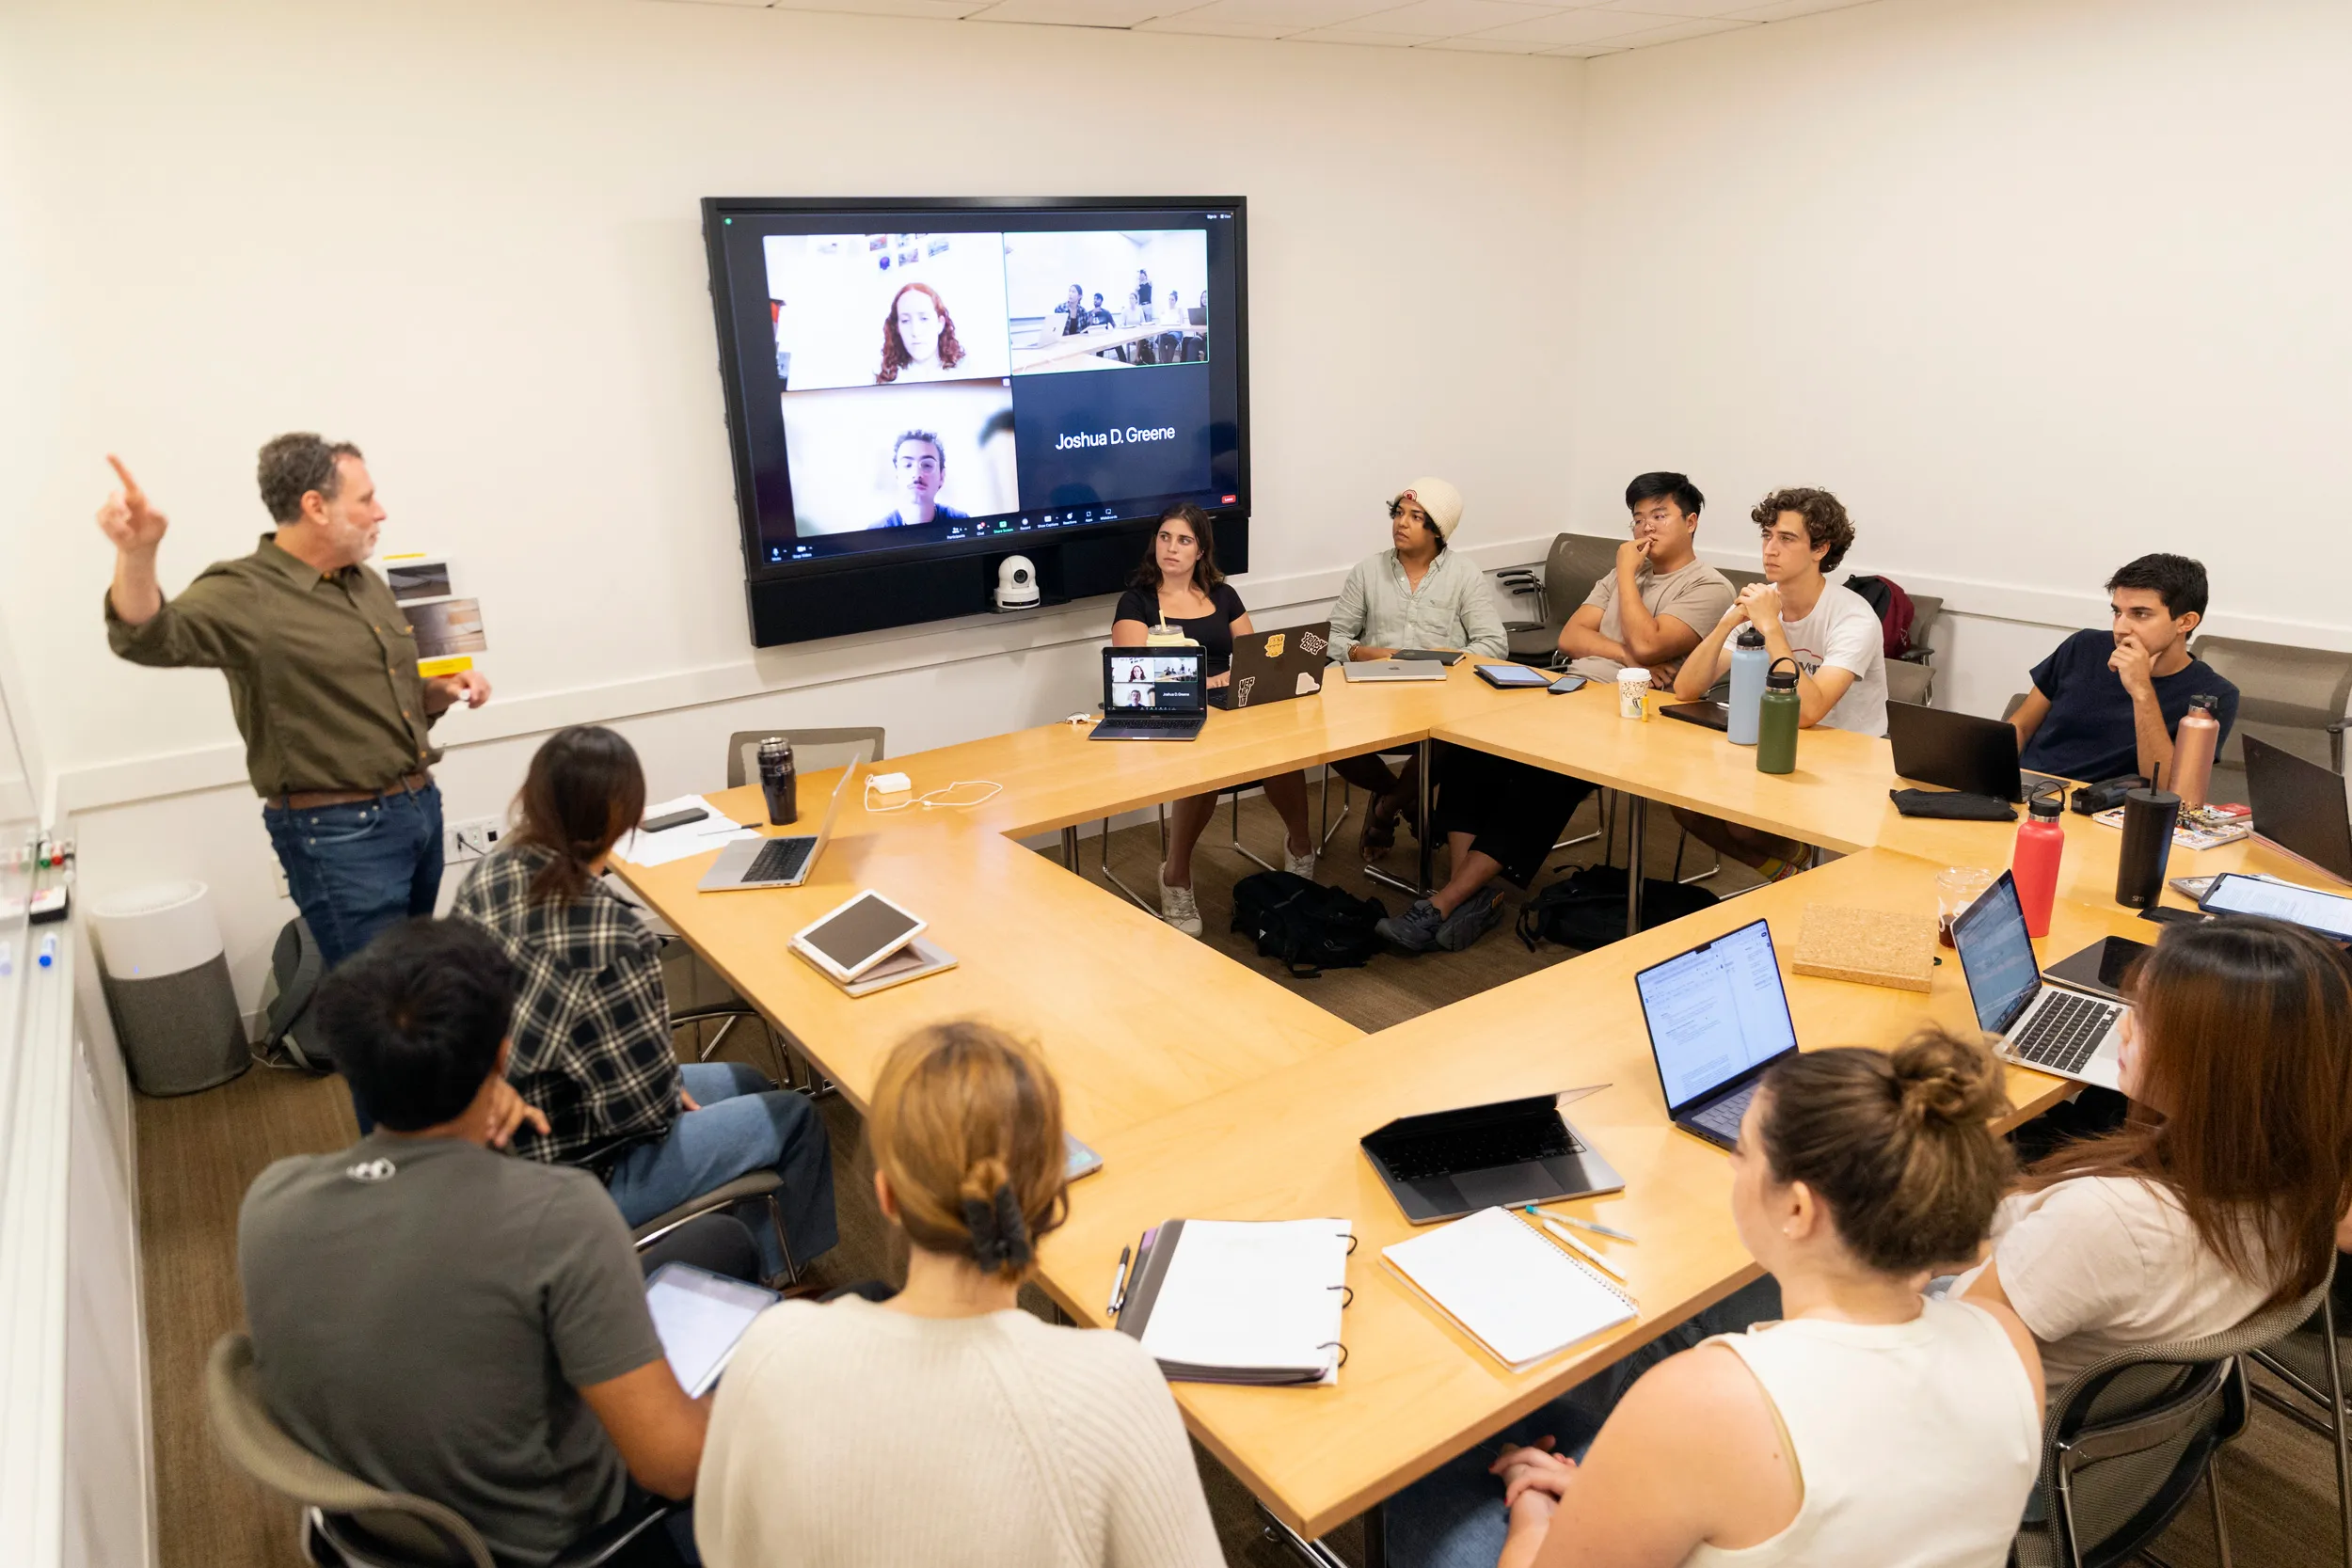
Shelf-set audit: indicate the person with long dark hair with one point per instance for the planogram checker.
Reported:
(592, 1018)
(2222, 1195)
(1177, 584)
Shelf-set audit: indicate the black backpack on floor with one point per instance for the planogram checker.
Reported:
(1309, 927)
(1586, 909)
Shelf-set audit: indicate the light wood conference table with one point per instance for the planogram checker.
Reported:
(1215, 1092)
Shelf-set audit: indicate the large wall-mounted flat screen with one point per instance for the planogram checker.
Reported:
(916, 381)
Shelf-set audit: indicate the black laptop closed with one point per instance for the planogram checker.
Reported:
(1454, 1162)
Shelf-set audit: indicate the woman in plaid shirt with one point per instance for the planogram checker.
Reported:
(592, 1022)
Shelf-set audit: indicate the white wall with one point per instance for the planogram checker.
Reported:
(465, 236)
(2034, 285)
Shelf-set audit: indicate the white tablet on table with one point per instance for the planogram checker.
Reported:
(850, 939)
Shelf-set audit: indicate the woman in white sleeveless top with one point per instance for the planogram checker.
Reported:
(1869, 1428)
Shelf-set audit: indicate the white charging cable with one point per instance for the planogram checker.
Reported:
(931, 798)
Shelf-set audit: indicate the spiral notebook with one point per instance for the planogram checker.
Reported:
(1230, 1301)
(1507, 1285)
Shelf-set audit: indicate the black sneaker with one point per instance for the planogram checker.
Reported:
(1478, 914)
(1415, 930)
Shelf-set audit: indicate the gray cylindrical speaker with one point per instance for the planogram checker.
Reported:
(166, 981)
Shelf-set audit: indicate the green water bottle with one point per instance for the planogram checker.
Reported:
(1777, 713)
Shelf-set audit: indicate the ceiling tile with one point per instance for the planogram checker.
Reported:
(1362, 36)
(1290, 16)
(762, 4)
(1212, 27)
(1781, 10)
(1585, 50)
(1486, 45)
(1451, 18)
(1674, 9)
(1568, 27)
(1676, 31)
(942, 11)
(1072, 13)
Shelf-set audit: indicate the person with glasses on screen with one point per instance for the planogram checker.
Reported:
(918, 465)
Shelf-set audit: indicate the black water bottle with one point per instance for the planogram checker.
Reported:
(780, 780)
(2148, 816)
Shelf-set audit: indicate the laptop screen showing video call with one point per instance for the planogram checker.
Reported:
(1714, 1012)
(1143, 680)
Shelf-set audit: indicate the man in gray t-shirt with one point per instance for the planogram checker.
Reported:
(1676, 598)
(1500, 818)
(443, 1318)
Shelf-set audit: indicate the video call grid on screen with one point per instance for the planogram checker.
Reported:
(927, 376)
(1141, 680)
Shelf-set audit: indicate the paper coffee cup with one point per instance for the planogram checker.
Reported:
(1632, 693)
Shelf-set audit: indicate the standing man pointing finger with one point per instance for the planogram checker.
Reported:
(322, 671)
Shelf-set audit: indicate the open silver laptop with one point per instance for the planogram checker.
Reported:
(1394, 670)
(750, 862)
(2042, 1021)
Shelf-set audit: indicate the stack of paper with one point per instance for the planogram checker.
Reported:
(1226, 1301)
(677, 844)
(1507, 1286)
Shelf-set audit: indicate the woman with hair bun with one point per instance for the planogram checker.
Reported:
(2224, 1195)
(1870, 1427)
(946, 1424)
(590, 1030)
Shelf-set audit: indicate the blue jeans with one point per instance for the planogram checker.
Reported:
(743, 1125)
(356, 869)
(1453, 1517)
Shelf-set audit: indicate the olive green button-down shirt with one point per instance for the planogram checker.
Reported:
(322, 668)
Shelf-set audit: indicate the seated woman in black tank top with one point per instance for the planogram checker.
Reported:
(1178, 584)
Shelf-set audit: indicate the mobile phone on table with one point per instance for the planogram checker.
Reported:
(1564, 685)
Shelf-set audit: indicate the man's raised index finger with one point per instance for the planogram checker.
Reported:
(131, 491)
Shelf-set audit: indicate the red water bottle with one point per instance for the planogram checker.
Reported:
(2040, 844)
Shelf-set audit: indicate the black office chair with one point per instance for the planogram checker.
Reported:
(347, 1523)
(2128, 1442)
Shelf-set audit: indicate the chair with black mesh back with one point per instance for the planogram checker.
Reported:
(2126, 1443)
(346, 1523)
(1574, 563)
(2294, 698)
(2309, 1363)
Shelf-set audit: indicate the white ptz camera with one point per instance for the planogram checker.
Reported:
(1016, 583)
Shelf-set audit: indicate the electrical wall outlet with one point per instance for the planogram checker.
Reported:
(471, 839)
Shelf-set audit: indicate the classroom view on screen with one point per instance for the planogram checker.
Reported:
(943, 382)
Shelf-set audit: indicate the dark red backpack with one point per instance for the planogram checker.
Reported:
(1893, 607)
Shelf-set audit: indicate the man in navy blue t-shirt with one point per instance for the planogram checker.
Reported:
(2106, 702)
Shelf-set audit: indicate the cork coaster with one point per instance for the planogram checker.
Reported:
(1871, 948)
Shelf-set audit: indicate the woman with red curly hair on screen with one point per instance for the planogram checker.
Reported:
(918, 337)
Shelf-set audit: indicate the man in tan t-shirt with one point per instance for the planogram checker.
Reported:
(1500, 818)
(1653, 609)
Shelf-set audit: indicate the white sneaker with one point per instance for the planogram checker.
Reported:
(1299, 865)
(1178, 907)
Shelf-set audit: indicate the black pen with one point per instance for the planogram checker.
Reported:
(1119, 1285)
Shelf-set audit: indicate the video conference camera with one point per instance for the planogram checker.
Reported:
(1016, 583)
